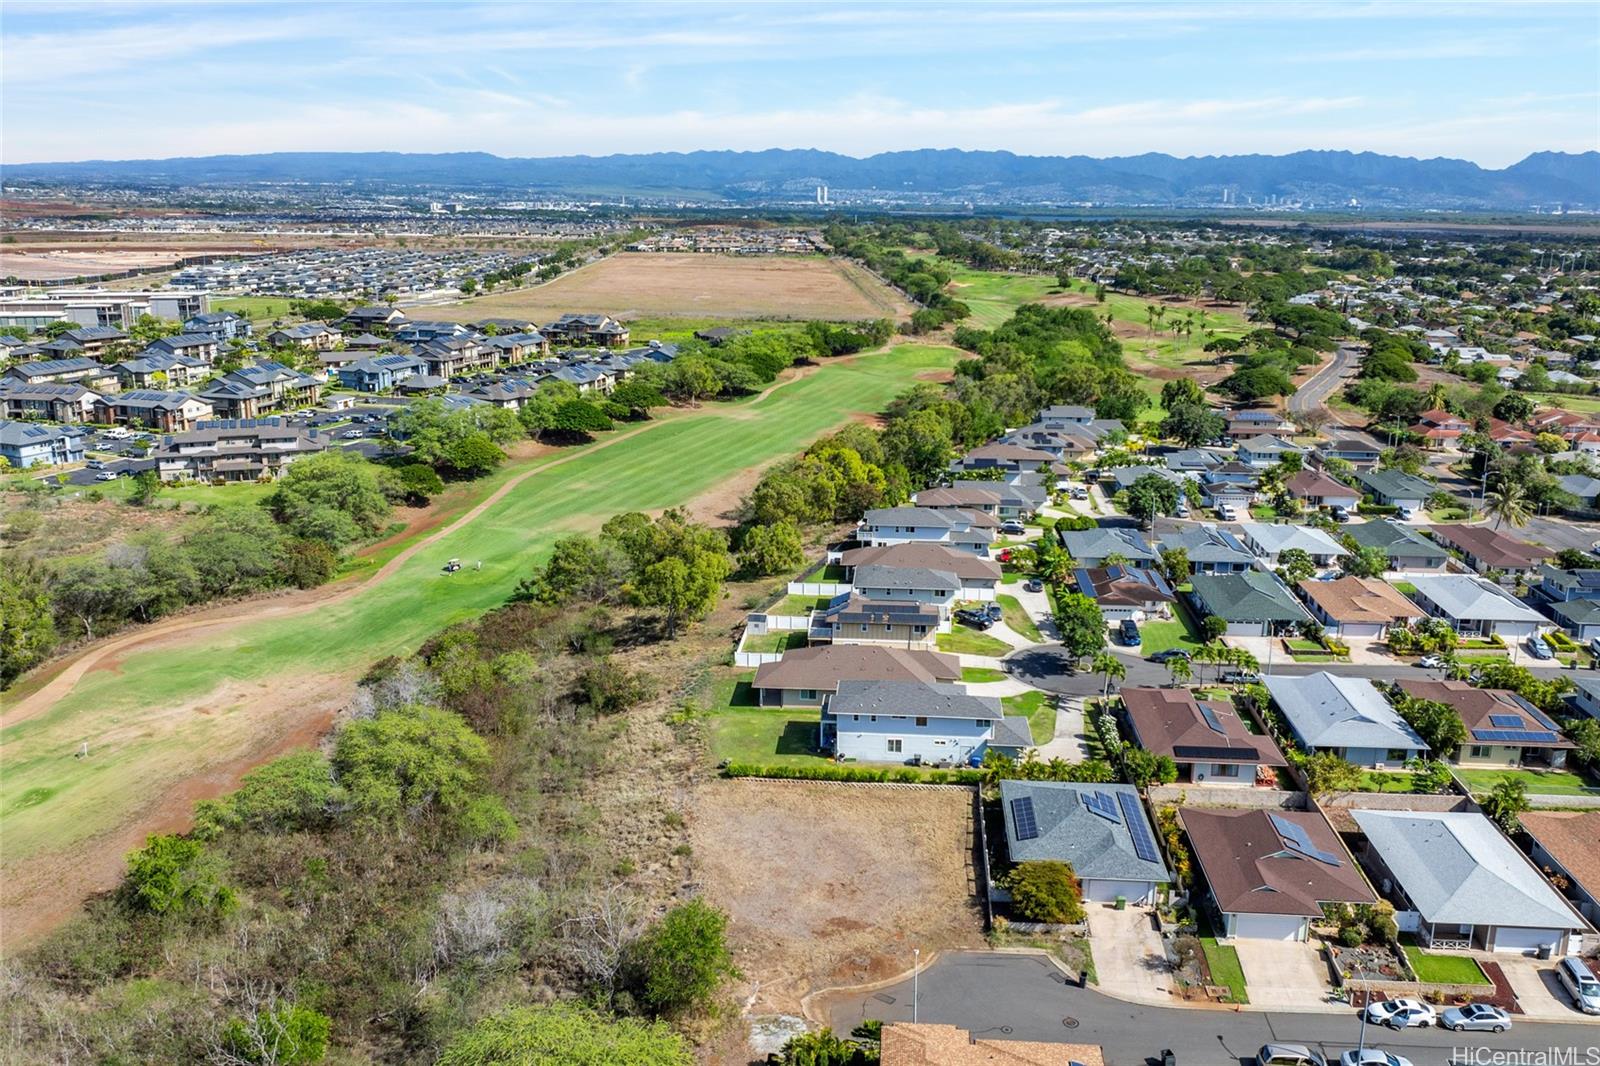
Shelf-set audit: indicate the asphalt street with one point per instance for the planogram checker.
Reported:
(1046, 667)
(1321, 385)
(1024, 997)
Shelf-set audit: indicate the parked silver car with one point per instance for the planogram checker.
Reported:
(1476, 1017)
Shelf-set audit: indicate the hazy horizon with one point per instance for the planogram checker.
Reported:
(1489, 83)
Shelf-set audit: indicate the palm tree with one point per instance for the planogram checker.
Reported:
(1206, 655)
(1180, 670)
(1435, 396)
(1509, 503)
(1108, 664)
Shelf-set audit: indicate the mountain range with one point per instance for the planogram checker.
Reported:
(1321, 178)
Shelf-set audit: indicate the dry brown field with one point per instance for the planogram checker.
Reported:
(55, 265)
(634, 285)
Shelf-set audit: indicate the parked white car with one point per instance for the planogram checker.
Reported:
(1400, 1013)
(1371, 1057)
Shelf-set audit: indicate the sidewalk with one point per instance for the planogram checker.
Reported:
(1071, 741)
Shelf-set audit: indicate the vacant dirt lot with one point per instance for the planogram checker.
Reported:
(831, 884)
(641, 285)
(55, 264)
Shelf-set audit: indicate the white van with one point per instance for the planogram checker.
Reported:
(1580, 983)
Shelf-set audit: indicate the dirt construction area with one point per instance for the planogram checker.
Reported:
(57, 264)
(833, 884)
(647, 285)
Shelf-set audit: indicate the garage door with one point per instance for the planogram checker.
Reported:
(1523, 941)
(1108, 891)
(1267, 926)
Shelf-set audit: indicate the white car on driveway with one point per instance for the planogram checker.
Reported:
(1400, 1013)
(1371, 1057)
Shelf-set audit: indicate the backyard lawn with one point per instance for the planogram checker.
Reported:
(1037, 709)
(1017, 618)
(741, 731)
(777, 641)
(1558, 783)
(1443, 969)
(800, 605)
(964, 641)
(1385, 781)
(981, 675)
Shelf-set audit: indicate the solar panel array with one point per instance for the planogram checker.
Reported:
(1144, 845)
(1022, 819)
(1210, 716)
(1506, 721)
(1100, 803)
(1516, 736)
(1296, 839)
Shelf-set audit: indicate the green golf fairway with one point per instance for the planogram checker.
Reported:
(49, 800)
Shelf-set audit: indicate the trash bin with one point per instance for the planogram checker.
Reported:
(1122, 903)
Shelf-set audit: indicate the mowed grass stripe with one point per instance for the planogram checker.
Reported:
(50, 800)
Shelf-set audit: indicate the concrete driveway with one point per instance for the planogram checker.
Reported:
(1128, 958)
(1283, 974)
(1539, 993)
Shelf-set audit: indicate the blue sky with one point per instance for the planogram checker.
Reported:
(1486, 82)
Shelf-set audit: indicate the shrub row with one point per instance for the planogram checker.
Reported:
(865, 774)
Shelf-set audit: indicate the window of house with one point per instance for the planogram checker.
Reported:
(1225, 770)
(863, 627)
(872, 718)
(889, 628)
(983, 723)
(894, 745)
(921, 720)
(1480, 751)
(855, 718)
(921, 630)
(808, 693)
(1396, 755)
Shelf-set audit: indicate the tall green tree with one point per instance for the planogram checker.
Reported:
(683, 961)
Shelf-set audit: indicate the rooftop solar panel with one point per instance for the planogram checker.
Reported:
(1516, 736)
(1297, 840)
(1022, 819)
(1211, 719)
(1144, 844)
(1506, 721)
(1100, 803)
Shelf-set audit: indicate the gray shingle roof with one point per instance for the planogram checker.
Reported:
(1097, 847)
(913, 698)
(878, 576)
(1102, 541)
(1327, 711)
(1469, 597)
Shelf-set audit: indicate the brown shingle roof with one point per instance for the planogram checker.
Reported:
(922, 1044)
(1308, 483)
(969, 496)
(1490, 546)
(1250, 870)
(1168, 721)
(1570, 838)
(824, 666)
(964, 565)
(1475, 705)
(1360, 599)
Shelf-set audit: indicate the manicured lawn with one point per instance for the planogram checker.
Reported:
(1223, 961)
(255, 308)
(740, 731)
(1017, 618)
(981, 675)
(1037, 709)
(831, 572)
(1443, 969)
(799, 605)
(1559, 783)
(1159, 636)
(1405, 588)
(140, 719)
(1385, 781)
(964, 641)
(779, 640)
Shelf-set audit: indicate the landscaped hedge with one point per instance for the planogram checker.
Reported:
(1561, 641)
(859, 774)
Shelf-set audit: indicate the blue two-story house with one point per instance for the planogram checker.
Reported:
(911, 721)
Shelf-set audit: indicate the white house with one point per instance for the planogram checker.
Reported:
(1457, 882)
(1475, 606)
(1268, 541)
(966, 530)
(905, 721)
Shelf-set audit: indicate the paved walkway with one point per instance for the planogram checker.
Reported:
(1128, 959)
(1283, 974)
(1071, 741)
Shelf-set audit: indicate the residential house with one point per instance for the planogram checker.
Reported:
(1193, 461)
(979, 577)
(1249, 424)
(92, 340)
(1210, 550)
(154, 370)
(223, 325)
(1253, 603)
(1556, 585)
(1232, 485)
(379, 373)
(1563, 846)
(452, 356)
(979, 496)
(373, 316)
(1122, 478)
(1358, 608)
(1064, 416)
(235, 450)
(56, 401)
(1101, 830)
(805, 677)
(354, 346)
(313, 336)
(1407, 551)
(1396, 488)
(1315, 489)
(1206, 739)
(1267, 450)
(202, 346)
(1268, 873)
(1503, 729)
(167, 412)
(1439, 428)
(1269, 541)
(587, 377)
(1580, 618)
(926, 1044)
(1457, 882)
(1345, 715)
(511, 393)
(913, 721)
(1474, 606)
(588, 329)
(420, 331)
(1358, 453)
(1062, 445)
(1019, 497)
(1583, 488)
(1106, 545)
(25, 444)
(79, 370)
(970, 531)
(854, 619)
(1486, 549)
(253, 391)
(1007, 457)
(1125, 592)
(891, 584)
